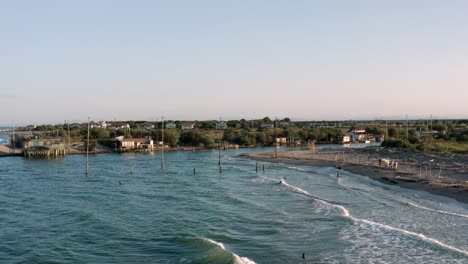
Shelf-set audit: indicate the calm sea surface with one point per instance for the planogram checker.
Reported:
(51, 212)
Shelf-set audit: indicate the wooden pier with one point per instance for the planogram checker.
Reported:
(44, 152)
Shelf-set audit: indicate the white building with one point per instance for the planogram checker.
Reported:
(171, 126)
(268, 125)
(359, 135)
(146, 126)
(221, 125)
(135, 143)
(187, 126)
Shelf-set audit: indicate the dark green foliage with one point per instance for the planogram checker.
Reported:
(197, 138)
(99, 133)
(396, 143)
(393, 132)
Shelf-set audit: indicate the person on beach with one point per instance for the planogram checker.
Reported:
(380, 162)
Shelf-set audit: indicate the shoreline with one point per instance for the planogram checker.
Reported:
(454, 190)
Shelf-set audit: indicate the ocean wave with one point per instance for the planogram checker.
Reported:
(438, 211)
(237, 258)
(346, 214)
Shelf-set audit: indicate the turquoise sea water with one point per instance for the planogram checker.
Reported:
(4, 139)
(51, 212)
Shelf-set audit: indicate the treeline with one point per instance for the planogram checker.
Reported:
(199, 137)
(439, 137)
(452, 134)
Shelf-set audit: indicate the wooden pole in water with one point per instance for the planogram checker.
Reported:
(219, 152)
(87, 150)
(162, 139)
(69, 142)
(12, 139)
(276, 139)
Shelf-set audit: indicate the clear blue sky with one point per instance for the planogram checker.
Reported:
(235, 59)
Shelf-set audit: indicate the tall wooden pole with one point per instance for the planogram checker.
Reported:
(219, 152)
(87, 150)
(69, 142)
(276, 140)
(162, 148)
(13, 147)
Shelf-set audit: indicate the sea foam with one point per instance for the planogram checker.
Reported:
(237, 258)
(438, 211)
(346, 214)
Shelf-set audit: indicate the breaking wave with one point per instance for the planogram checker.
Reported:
(438, 211)
(237, 258)
(346, 214)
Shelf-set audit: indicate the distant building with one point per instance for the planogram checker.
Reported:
(221, 125)
(186, 126)
(171, 126)
(115, 126)
(267, 125)
(101, 124)
(281, 140)
(134, 143)
(146, 125)
(359, 135)
(344, 139)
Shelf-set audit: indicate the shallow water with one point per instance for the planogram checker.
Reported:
(52, 212)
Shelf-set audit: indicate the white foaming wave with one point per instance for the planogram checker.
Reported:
(302, 191)
(242, 260)
(410, 233)
(267, 179)
(297, 189)
(438, 211)
(295, 168)
(221, 245)
(237, 258)
(346, 214)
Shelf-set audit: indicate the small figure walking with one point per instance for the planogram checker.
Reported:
(380, 162)
(337, 174)
(303, 255)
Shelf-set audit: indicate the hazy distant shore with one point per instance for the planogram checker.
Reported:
(436, 174)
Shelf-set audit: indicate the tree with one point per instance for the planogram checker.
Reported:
(393, 132)
(230, 135)
(171, 137)
(263, 139)
(196, 138)
(123, 132)
(248, 138)
(98, 133)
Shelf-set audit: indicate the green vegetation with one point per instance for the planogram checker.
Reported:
(451, 135)
(445, 136)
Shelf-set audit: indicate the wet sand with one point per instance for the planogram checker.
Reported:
(448, 182)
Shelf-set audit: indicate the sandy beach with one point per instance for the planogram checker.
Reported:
(440, 174)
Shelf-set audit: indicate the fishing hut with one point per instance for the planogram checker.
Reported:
(41, 148)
